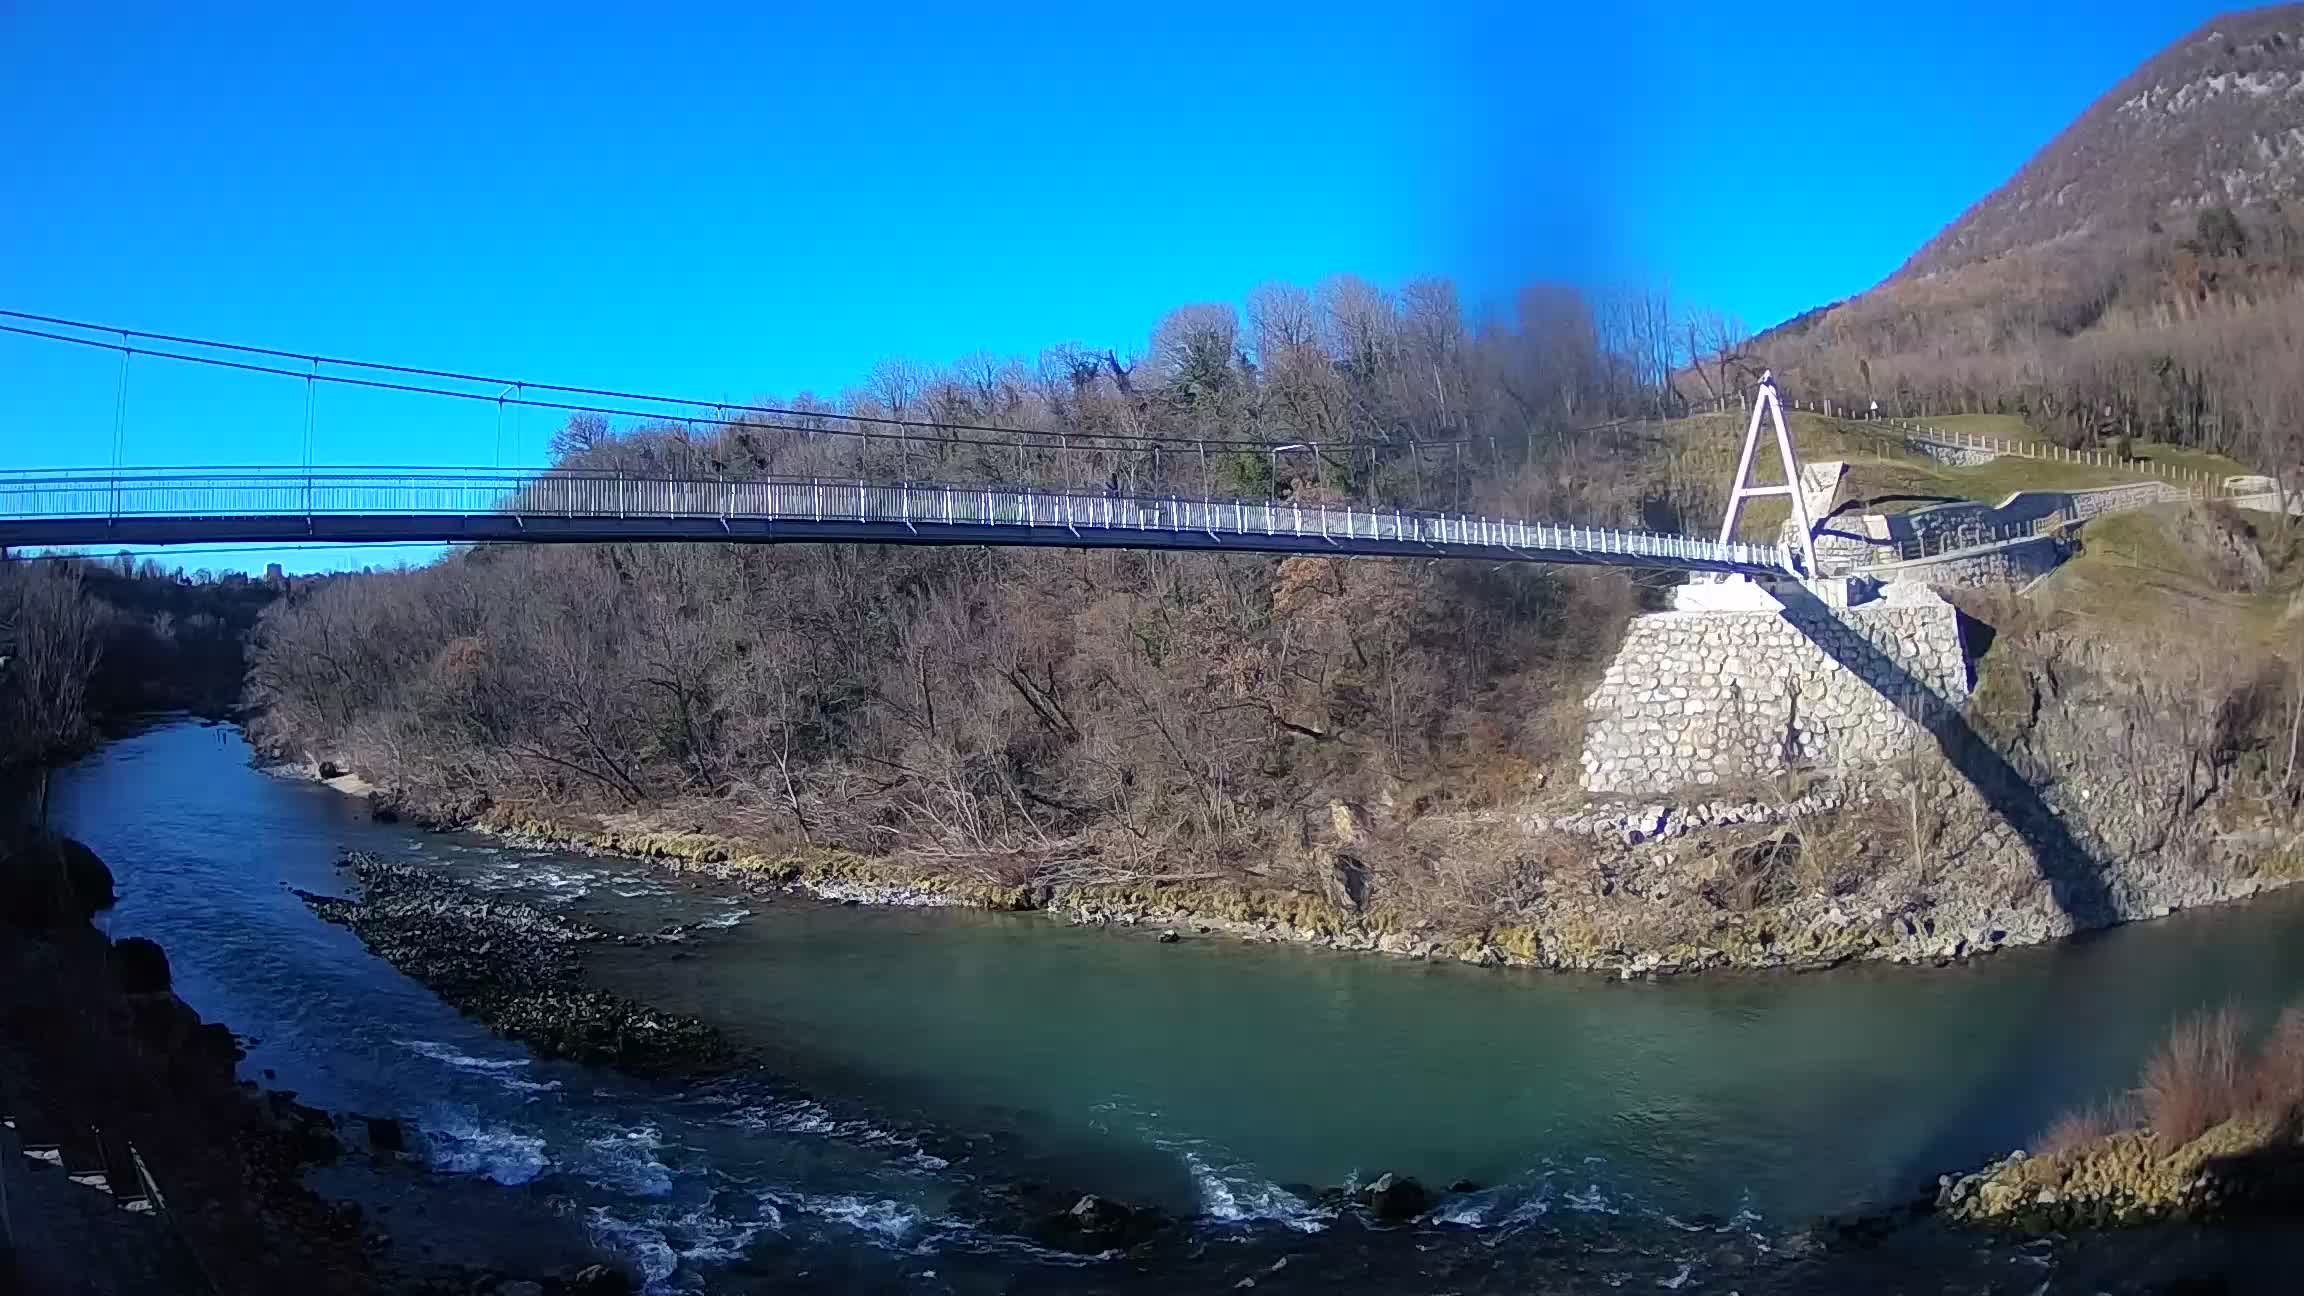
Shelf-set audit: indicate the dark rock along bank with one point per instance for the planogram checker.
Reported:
(515, 969)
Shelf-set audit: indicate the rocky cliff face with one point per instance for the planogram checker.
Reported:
(2217, 118)
(92, 1039)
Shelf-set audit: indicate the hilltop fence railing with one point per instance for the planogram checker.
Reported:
(1920, 435)
(1961, 538)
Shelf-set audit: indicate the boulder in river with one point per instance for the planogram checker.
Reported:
(598, 1280)
(385, 1135)
(140, 966)
(52, 881)
(1094, 1224)
(1395, 1198)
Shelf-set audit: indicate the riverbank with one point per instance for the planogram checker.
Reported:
(1648, 890)
(2213, 1131)
(137, 1161)
(2101, 769)
(1684, 1131)
(514, 969)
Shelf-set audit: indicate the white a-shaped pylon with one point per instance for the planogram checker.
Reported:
(1765, 401)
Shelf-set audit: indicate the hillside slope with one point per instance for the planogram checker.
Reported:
(2217, 118)
(2142, 276)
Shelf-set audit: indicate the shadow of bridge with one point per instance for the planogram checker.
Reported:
(2073, 873)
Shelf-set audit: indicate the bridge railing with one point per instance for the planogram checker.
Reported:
(244, 492)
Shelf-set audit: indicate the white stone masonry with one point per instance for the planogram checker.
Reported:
(1701, 698)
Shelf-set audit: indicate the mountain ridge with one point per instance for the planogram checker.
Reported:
(2215, 119)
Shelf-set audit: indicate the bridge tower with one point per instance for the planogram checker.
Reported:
(1765, 402)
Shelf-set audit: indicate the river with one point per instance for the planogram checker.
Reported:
(1680, 1133)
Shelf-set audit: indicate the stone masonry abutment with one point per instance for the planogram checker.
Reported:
(1699, 698)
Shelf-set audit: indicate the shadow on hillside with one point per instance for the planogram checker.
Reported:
(2074, 876)
(1924, 501)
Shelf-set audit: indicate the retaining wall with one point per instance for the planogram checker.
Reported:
(1709, 697)
(2024, 508)
(2011, 562)
(1944, 452)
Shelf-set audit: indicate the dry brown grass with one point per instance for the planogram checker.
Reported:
(2200, 1078)
(2196, 1080)
(2084, 1125)
(2276, 1080)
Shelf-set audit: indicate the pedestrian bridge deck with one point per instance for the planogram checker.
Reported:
(170, 506)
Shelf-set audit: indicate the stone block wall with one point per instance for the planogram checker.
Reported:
(1945, 452)
(1938, 522)
(2108, 499)
(1700, 698)
(1839, 546)
(1941, 522)
(2010, 563)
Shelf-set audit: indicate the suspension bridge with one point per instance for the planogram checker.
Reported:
(122, 505)
(289, 505)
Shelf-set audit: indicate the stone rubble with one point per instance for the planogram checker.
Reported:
(1633, 825)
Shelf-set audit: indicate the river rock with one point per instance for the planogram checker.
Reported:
(52, 881)
(515, 968)
(140, 966)
(385, 1135)
(1169, 937)
(598, 1280)
(1395, 1198)
(1094, 1224)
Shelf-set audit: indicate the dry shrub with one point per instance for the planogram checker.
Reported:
(2084, 1125)
(2200, 1078)
(2195, 1081)
(2276, 1081)
(1440, 869)
(1758, 873)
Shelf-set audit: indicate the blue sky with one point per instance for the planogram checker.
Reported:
(744, 200)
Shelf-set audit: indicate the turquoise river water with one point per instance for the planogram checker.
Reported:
(1681, 1134)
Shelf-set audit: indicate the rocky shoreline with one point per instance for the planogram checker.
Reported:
(163, 1170)
(1367, 1218)
(2248, 1167)
(1637, 914)
(515, 969)
(2212, 1133)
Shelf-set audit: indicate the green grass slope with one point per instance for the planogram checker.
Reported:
(1890, 477)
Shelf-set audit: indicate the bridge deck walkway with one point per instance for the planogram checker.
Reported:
(169, 506)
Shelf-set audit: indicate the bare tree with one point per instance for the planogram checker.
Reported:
(50, 640)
